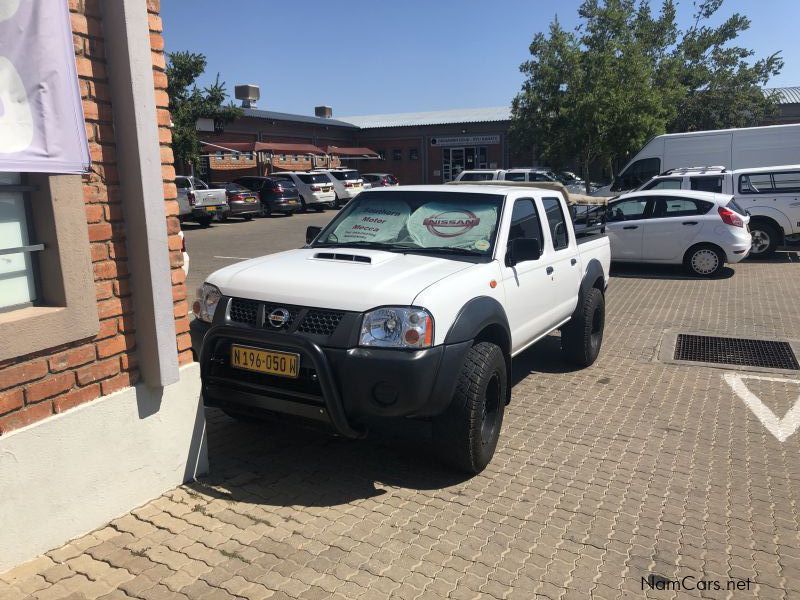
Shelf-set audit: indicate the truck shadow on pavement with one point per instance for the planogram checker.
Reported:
(651, 271)
(285, 463)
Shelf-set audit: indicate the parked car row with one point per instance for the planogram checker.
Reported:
(572, 182)
(285, 193)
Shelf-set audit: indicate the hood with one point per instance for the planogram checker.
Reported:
(356, 279)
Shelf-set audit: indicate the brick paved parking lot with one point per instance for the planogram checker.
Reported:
(602, 477)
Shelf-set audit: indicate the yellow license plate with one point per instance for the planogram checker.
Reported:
(249, 199)
(271, 362)
(211, 209)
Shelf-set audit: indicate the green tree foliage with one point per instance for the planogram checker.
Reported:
(624, 74)
(187, 103)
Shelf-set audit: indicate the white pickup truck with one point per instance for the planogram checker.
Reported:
(410, 303)
(197, 201)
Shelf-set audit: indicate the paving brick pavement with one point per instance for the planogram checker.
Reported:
(602, 477)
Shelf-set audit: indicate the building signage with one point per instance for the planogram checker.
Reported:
(466, 140)
(41, 116)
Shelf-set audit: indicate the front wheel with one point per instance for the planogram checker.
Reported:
(468, 431)
(704, 261)
(765, 240)
(582, 336)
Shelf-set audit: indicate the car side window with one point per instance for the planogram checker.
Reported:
(677, 207)
(200, 185)
(627, 210)
(755, 183)
(525, 221)
(182, 183)
(557, 221)
(663, 184)
(788, 182)
(706, 184)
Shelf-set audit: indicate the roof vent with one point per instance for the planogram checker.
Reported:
(248, 93)
(344, 257)
(324, 112)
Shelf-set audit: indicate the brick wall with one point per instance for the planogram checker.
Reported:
(36, 386)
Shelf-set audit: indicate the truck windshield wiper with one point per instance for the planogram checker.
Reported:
(451, 250)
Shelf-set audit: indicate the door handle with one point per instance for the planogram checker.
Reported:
(690, 222)
(549, 270)
(631, 227)
(573, 262)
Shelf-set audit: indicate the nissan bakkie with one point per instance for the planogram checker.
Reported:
(409, 304)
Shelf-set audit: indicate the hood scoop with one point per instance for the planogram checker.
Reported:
(343, 257)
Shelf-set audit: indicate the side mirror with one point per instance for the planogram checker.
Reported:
(312, 231)
(522, 249)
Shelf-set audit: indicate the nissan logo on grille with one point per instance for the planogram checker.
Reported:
(279, 318)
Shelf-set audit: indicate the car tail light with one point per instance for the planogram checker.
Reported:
(316, 188)
(729, 217)
(190, 195)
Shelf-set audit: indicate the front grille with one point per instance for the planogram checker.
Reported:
(315, 321)
(244, 311)
(320, 322)
(735, 351)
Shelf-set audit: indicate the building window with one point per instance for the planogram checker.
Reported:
(235, 156)
(218, 155)
(17, 248)
(381, 154)
(397, 154)
(413, 154)
(248, 155)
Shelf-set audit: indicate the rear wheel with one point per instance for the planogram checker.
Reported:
(468, 431)
(582, 336)
(765, 239)
(248, 217)
(303, 206)
(204, 221)
(704, 261)
(319, 207)
(265, 211)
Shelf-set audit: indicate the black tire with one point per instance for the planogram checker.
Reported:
(467, 432)
(582, 336)
(248, 217)
(319, 208)
(765, 239)
(704, 260)
(204, 221)
(303, 207)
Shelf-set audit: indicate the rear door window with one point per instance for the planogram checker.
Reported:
(345, 175)
(557, 223)
(706, 184)
(679, 207)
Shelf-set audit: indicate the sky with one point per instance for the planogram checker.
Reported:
(369, 57)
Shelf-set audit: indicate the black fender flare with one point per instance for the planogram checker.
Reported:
(594, 271)
(476, 316)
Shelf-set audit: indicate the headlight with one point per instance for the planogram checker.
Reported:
(397, 327)
(208, 297)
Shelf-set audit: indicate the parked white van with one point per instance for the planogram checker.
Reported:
(771, 195)
(730, 148)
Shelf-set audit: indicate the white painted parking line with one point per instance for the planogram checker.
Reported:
(781, 428)
(232, 257)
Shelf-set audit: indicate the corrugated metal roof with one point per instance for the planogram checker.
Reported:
(786, 95)
(279, 116)
(436, 117)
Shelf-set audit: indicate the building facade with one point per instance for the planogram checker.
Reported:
(99, 397)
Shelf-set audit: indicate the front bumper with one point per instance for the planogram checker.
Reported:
(343, 387)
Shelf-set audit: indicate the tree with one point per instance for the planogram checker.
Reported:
(624, 75)
(187, 103)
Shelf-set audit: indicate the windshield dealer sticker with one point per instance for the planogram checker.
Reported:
(373, 222)
(441, 224)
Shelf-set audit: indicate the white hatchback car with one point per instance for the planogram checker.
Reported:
(700, 230)
(316, 188)
(347, 184)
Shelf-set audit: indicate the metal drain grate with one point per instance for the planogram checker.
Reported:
(735, 351)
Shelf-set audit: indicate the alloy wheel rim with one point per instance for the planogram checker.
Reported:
(760, 241)
(705, 261)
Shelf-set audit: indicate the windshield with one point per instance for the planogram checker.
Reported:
(314, 178)
(476, 176)
(345, 175)
(427, 222)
